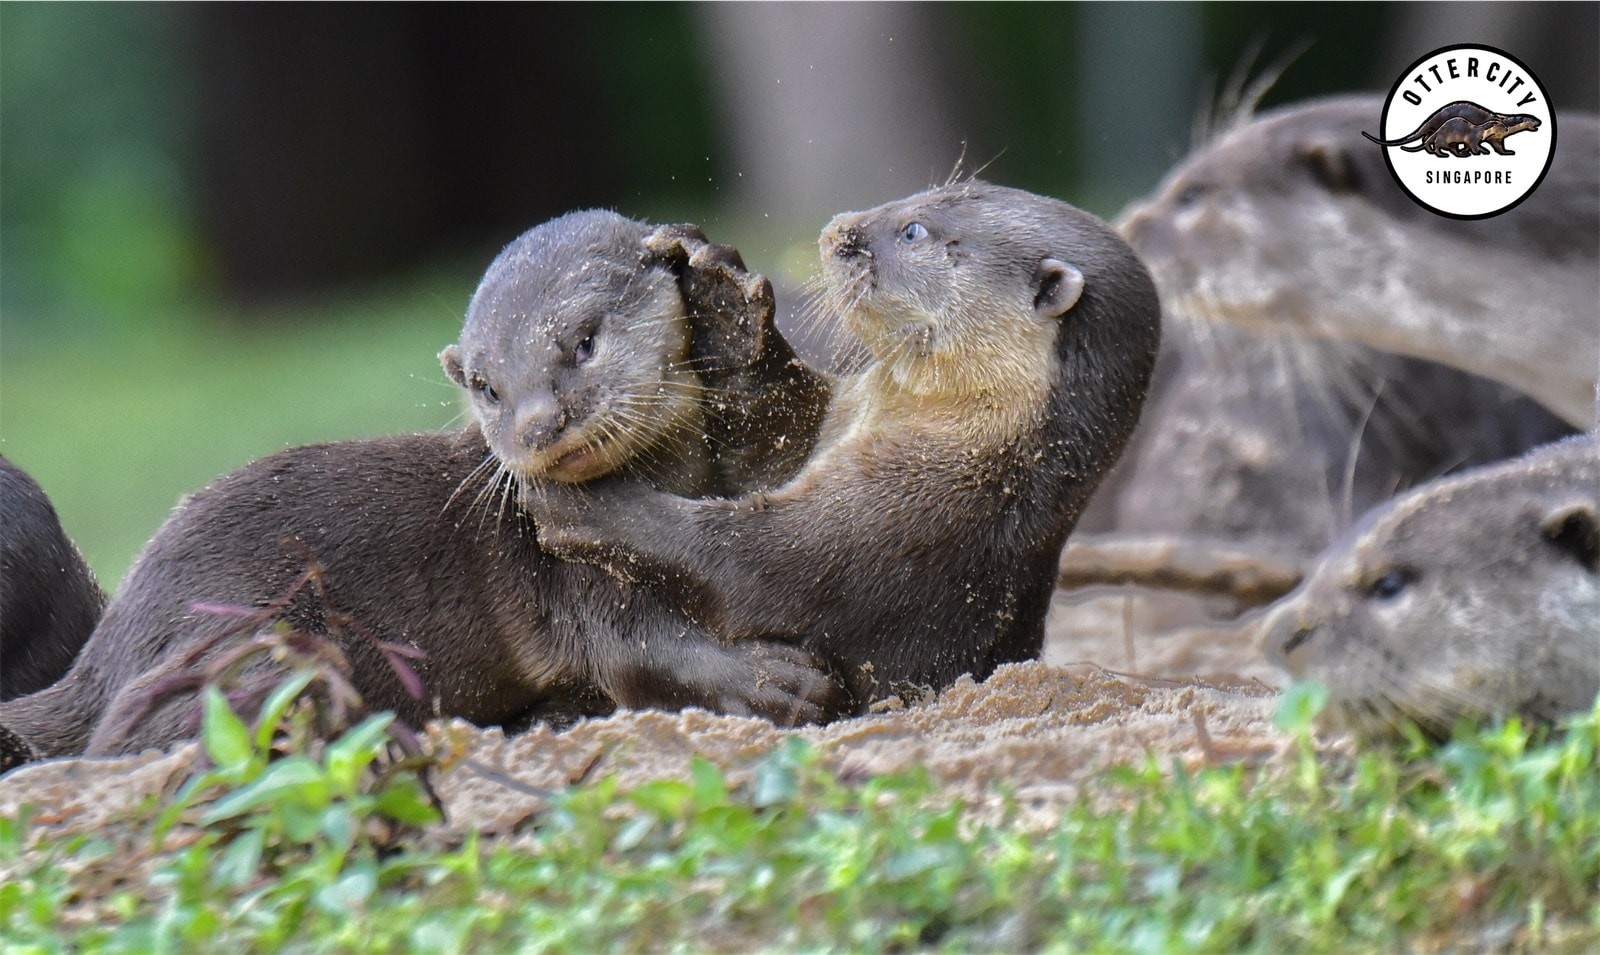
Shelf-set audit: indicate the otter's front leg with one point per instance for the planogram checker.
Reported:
(666, 663)
(719, 560)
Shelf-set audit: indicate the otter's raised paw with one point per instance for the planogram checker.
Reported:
(729, 307)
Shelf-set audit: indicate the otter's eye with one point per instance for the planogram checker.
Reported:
(1391, 585)
(914, 232)
(482, 387)
(584, 350)
(1189, 195)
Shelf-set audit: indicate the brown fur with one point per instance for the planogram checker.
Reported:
(1012, 339)
(49, 600)
(419, 539)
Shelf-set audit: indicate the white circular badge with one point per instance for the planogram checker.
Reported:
(1468, 131)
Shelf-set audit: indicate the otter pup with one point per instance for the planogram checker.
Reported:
(1329, 244)
(1477, 596)
(1012, 338)
(49, 599)
(577, 352)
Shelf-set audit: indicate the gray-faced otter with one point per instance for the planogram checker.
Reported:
(1012, 338)
(49, 599)
(1457, 124)
(1330, 245)
(418, 538)
(1477, 596)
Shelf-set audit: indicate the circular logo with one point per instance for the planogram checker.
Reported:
(1468, 131)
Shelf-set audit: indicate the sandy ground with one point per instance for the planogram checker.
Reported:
(1106, 692)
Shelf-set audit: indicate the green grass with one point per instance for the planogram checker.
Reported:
(118, 426)
(1488, 841)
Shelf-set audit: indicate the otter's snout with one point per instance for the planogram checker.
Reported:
(844, 237)
(540, 422)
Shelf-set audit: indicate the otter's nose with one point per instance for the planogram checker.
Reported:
(844, 237)
(540, 421)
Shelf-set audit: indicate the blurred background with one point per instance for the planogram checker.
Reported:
(227, 229)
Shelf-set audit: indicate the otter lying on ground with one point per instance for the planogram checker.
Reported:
(1477, 596)
(578, 352)
(1012, 339)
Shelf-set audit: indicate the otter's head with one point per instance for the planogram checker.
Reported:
(574, 352)
(1474, 597)
(1281, 220)
(1521, 122)
(967, 286)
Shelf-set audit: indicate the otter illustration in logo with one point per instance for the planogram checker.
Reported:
(1461, 129)
(1463, 102)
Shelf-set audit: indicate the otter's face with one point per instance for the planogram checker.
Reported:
(1276, 223)
(572, 370)
(892, 272)
(963, 273)
(1443, 607)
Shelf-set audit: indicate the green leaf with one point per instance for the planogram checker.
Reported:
(348, 893)
(239, 861)
(1300, 705)
(278, 702)
(667, 798)
(292, 776)
(226, 739)
(404, 800)
(355, 751)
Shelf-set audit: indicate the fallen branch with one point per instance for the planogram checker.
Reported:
(1192, 566)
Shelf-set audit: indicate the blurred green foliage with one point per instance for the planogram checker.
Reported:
(95, 201)
(116, 427)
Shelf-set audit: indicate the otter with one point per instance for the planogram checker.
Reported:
(1458, 137)
(1330, 245)
(49, 598)
(576, 352)
(1461, 124)
(1477, 596)
(1012, 340)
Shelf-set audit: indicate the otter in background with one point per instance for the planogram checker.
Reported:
(1264, 435)
(1475, 597)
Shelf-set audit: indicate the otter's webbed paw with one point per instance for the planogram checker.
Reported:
(730, 308)
(776, 681)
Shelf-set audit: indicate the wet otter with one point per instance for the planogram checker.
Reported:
(1475, 596)
(49, 600)
(1329, 244)
(1012, 338)
(575, 347)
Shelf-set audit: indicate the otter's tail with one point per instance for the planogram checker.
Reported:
(1395, 142)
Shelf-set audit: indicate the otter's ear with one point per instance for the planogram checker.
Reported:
(1331, 165)
(450, 360)
(1057, 287)
(1575, 528)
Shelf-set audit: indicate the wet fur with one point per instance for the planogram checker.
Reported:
(920, 542)
(421, 541)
